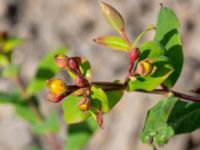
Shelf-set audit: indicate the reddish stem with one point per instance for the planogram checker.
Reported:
(110, 86)
(178, 94)
(125, 37)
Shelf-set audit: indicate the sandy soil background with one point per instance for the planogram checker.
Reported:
(47, 24)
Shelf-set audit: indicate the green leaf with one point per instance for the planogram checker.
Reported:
(12, 97)
(99, 99)
(80, 134)
(156, 128)
(26, 112)
(11, 71)
(3, 60)
(34, 147)
(46, 70)
(187, 114)
(168, 118)
(11, 43)
(150, 82)
(151, 50)
(154, 51)
(72, 113)
(50, 125)
(112, 42)
(167, 34)
(113, 97)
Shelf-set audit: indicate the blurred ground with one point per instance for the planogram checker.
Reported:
(47, 24)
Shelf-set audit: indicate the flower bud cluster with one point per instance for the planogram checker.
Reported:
(71, 64)
(58, 89)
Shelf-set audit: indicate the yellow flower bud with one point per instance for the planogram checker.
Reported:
(57, 86)
(144, 67)
(85, 104)
(83, 107)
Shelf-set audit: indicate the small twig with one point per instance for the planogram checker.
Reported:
(109, 84)
(186, 97)
(178, 94)
(125, 37)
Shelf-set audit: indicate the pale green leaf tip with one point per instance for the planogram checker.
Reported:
(113, 17)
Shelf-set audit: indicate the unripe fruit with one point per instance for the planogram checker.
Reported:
(57, 86)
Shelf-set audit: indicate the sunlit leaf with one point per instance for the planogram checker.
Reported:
(112, 42)
(72, 113)
(150, 82)
(151, 49)
(99, 99)
(167, 34)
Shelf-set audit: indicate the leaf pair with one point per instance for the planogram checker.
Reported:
(116, 21)
(169, 117)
